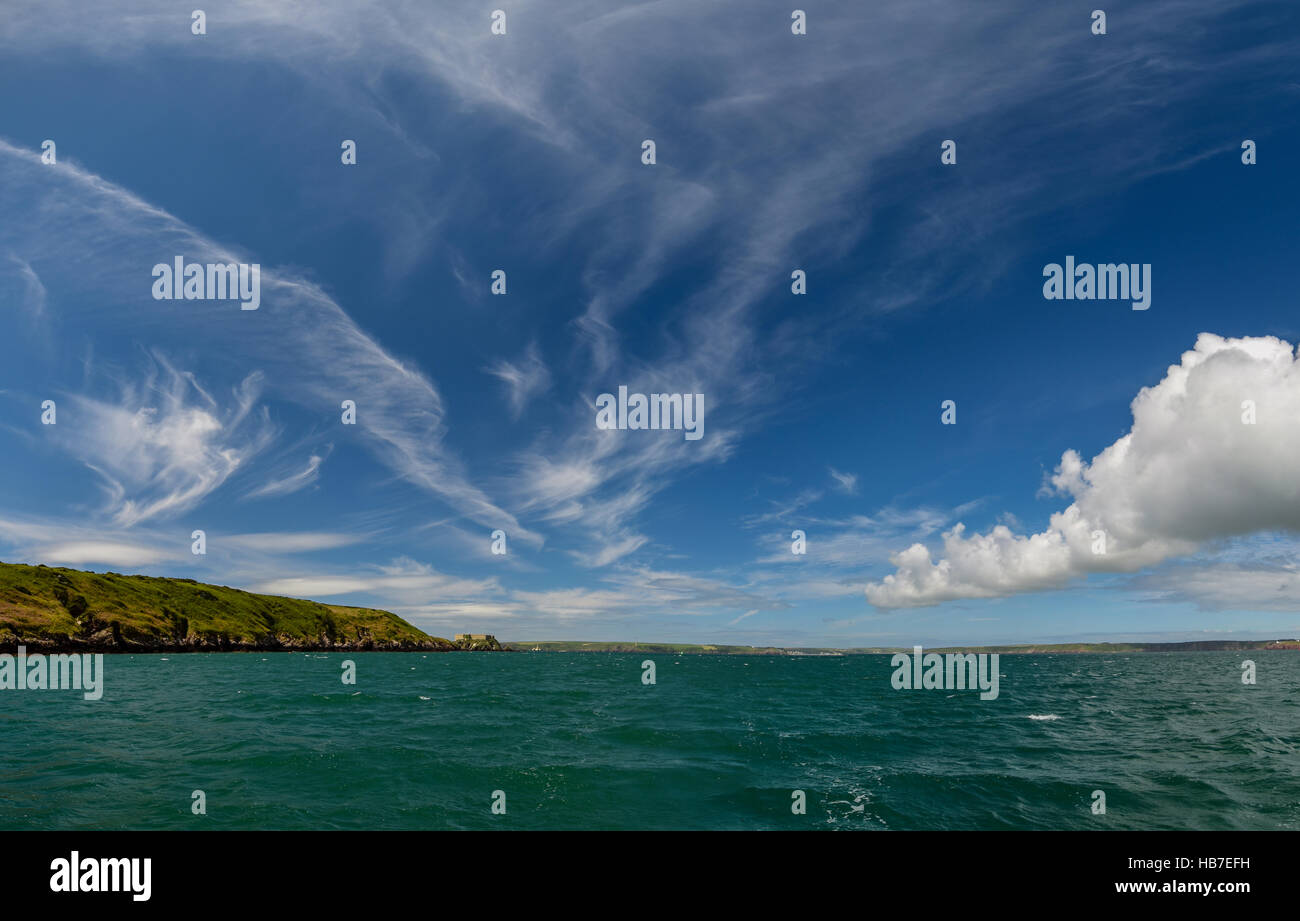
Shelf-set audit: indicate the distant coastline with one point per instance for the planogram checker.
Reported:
(49, 609)
(1024, 649)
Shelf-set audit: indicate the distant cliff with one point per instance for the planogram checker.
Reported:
(51, 609)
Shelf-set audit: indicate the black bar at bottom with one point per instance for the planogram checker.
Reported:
(331, 870)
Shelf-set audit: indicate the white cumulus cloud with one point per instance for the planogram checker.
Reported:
(1191, 470)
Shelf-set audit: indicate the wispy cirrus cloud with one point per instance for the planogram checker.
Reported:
(165, 444)
(60, 541)
(844, 482)
(404, 580)
(31, 290)
(292, 482)
(304, 344)
(524, 379)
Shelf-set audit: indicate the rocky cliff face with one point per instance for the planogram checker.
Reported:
(112, 639)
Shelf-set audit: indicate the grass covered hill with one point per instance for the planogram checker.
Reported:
(53, 609)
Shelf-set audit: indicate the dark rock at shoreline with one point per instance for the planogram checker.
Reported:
(109, 641)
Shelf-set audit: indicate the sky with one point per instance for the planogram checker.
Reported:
(1098, 479)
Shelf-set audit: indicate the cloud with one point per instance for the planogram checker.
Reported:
(308, 349)
(524, 380)
(165, 444)
(103, 552)
(612, 550)
(1227, 586)
(686, 593)
(311, 587)
(55, 542)
(246, 557)
(456, 612)
(784, 512)
(405, 581)
(32, 294)
(292, 482)
(291, 541)
(1188, 472)
(845, 482)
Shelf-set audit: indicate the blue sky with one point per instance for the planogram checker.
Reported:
(775, 152)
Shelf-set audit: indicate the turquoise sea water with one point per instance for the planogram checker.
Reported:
(277, 741)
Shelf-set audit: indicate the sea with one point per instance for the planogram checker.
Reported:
(581, 741)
